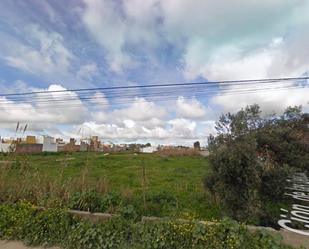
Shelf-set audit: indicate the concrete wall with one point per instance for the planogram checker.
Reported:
(69, 147)
(29, 148)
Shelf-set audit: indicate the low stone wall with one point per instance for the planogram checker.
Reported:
(93, 217)
(289, 238)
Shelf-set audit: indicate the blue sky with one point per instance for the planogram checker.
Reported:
(98, 43)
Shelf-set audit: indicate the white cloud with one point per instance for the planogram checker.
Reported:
(175, 129)
(100, 101)
(269, 101)
(129, 123)
(43, 112)
(107, 27)
(45, 53)
(207, 127)
(261, 44)
(141, 120)
(182, 127)
(140, 110)
(190, 108)
(116, 26)
(229, 63)
(17, 86)
(153, 123)
(220, 40)
(280, 58)
(99, 116)
(88, 71)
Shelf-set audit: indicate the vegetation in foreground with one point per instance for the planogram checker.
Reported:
(251, 158)
(54, 227)
(136, 184)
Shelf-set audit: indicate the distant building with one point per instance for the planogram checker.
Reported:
(149, 149)
(95, 138)
(28, 148)
(106, 148)
(49, 144)
(70, 147)
(6, 147)
(197, 145)
(30, 140)
(95, 144)
(60, 141)
(83, 146)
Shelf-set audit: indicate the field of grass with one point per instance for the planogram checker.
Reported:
(132, 176)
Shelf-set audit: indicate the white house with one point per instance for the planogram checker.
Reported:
(150, 149)
(5, 147)
(49, 144)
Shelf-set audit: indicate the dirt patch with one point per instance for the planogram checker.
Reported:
(7, 162)
(18, 245)
(65, 159)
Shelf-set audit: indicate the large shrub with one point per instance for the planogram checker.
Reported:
(235, 178)
(251, 156)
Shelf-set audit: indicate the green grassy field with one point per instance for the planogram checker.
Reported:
(179, 177)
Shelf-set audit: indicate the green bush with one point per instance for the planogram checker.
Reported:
(110, 201)
(162, 198)
(273, 181)
(194, 235)
(54, 227)
(235, 178)
(92, 201)
(107, 235)
(86, 201)
(160, 203)
(13, 219)
(47, 228)
(128, 212)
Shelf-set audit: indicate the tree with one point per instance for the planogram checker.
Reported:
(235, 177)
(250, 158)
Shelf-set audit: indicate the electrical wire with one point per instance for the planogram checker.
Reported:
(167, 96)
(159, 85)
(125, 92)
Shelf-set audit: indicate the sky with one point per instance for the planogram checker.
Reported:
(57, 45)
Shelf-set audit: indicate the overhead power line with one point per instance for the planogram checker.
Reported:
(127, 94)
(102, 103)
(270, 80)
(130, 93)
